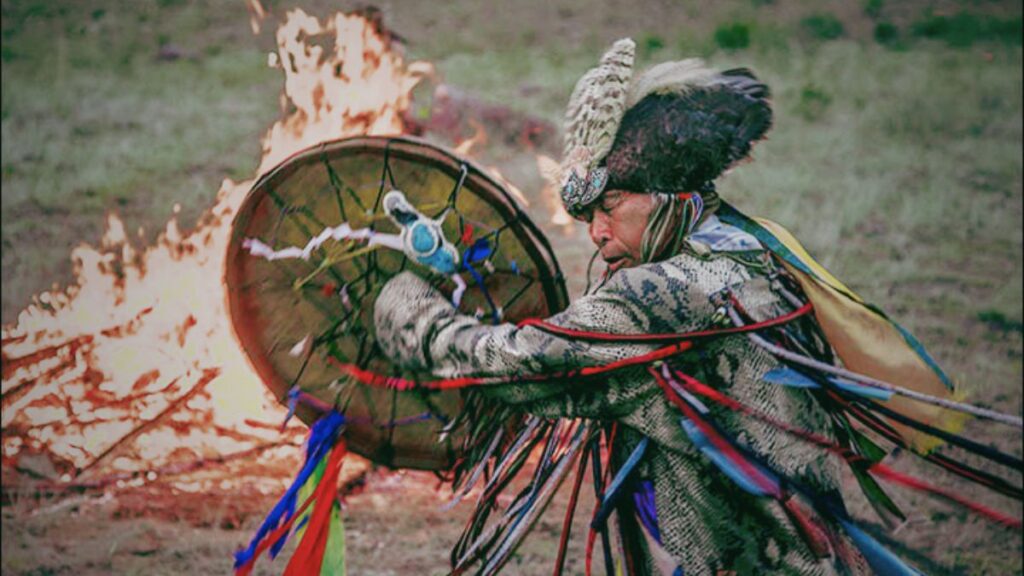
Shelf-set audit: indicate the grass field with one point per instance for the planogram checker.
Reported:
(895, 158)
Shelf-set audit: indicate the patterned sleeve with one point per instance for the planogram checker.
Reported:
(418, 328)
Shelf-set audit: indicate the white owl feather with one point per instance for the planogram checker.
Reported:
(677, 77)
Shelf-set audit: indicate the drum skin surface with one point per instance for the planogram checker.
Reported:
(298, 318)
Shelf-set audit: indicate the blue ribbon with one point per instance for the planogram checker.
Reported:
(881, 560)
(322, 437)
(480, 250)
(788, 377)
(722, 462)
(612, 493)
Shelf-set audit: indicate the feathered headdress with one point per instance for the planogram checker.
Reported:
(674, 128)
(591, 121)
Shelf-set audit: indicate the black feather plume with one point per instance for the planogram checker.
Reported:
(682, 141)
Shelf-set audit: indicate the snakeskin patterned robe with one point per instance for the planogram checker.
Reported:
(708, 525)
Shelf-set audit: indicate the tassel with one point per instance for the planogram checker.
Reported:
(861, 463)
(309, 554)
(794, 379)
(246, 568)
(334, 556)
(570, 511)
(600, 481)
(613, 492)
(881, 560)
(745, 474)
(305, 493)
(322, 436)
(813, 535)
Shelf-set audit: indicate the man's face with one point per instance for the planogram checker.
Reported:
(617, 221)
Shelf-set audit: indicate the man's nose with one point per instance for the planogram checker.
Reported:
(600, 231)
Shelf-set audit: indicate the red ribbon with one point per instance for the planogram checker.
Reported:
(309, 555)
(878, 469)
(329, 480)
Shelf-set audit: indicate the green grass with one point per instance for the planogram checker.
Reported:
(93, 121)
(822, 26)
(964, 28)
(734, 36)
(89, 126)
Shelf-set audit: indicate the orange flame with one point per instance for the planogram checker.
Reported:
(362, 88)
(135, 367)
